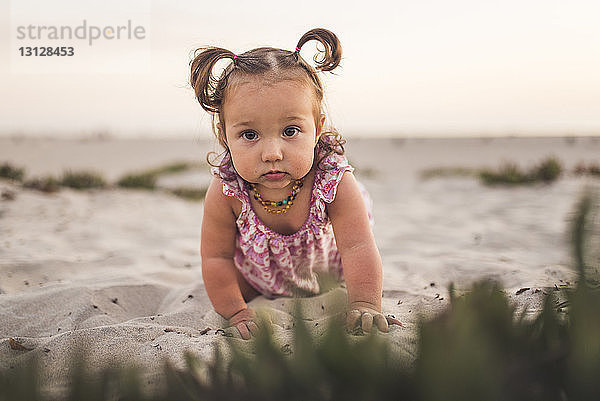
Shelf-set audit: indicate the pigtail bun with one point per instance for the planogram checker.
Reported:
(202, 80)
(331, 55)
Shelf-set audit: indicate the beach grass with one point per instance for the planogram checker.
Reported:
(147, 179)
(10, 172)
(445, 172)
(546, 172)
(83, 180)
(144, 180)
(192, 194)
(590, 169)
(508, 174)
(47, 184)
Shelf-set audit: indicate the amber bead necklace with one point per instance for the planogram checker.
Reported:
(285, 204)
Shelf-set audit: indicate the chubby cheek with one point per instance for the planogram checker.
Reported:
(244, 165)
(303, 163)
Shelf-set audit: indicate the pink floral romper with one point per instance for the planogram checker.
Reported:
(276, 264)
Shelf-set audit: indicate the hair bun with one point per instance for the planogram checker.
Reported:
(201, 77)
(331, 55)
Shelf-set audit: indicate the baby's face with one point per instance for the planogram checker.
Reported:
(271, 131)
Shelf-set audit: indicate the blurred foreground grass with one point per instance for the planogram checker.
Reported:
(477, 349)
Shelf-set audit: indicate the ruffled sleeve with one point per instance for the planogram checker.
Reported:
(327, 178)
(232, 183)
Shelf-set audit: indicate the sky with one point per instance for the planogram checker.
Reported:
(409, 68)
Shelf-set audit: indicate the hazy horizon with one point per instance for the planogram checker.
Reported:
(424, 69)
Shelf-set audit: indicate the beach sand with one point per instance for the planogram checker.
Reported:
(117, 272)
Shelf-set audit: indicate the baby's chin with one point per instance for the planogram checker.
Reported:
(261, 180)
(276, 184)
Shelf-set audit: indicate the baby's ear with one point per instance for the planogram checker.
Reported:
(320, 126)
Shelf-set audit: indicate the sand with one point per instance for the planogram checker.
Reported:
(117, 272)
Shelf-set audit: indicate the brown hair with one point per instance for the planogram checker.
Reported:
(272, 64)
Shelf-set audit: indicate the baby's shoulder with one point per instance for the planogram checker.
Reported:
(218, 207)
(218, 195)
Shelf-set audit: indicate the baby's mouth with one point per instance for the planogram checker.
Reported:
(274, 175)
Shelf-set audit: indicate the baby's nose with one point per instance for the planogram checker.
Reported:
(272, 151)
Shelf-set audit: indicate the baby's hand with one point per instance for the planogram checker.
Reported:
(245, 322)
(363, 315)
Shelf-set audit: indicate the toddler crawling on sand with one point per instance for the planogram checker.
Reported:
(284, 206)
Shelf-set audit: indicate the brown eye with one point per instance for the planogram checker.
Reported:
(249, 135)
(290, 131)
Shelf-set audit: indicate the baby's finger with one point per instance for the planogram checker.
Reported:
(352, 318)
(253, 327)
(381, 323)
(366, 322)
(243, 329)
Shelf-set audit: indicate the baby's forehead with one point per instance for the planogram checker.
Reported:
(270, 97)
(264, 83)
(253, 90)
(244, 89)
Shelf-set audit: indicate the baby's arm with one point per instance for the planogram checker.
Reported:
(218, 270)
(360, 258)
